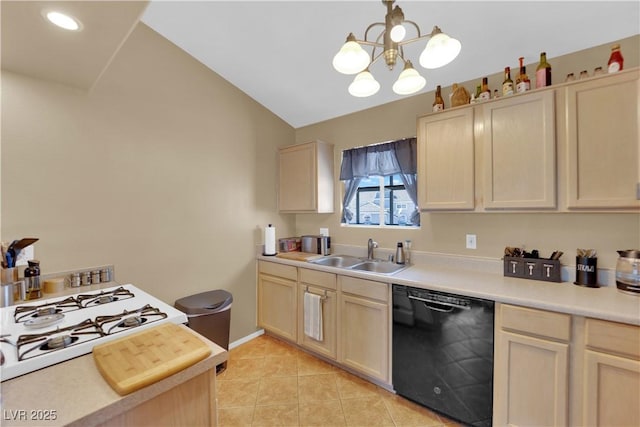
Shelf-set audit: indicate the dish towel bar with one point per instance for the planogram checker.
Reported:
(313, 316)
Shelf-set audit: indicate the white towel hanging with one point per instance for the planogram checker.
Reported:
(313, 316)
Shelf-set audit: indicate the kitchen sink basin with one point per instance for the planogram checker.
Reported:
(340, 261)
(360, 264)
(382, 267)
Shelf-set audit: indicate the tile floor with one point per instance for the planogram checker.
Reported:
(271, 383)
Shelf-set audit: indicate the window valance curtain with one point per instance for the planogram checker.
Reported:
(390, 158)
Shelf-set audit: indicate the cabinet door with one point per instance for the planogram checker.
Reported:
(306, 182)
(611, 388)
(326, 347)
(297, 185)
(277, 306)
(364, 336)
(520, 152)
(446, 161)
(530, 382)
(603, 142)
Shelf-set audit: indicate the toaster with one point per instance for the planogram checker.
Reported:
(316, 244)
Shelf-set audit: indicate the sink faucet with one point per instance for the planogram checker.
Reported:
(370, 245)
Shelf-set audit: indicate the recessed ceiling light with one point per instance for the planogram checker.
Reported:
(62, 20)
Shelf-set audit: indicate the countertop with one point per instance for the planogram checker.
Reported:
(73, 393)
(483, 278)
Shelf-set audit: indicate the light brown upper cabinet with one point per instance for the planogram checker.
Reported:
(306, 178)
(603, 145)
(446, 160)
(519, 151)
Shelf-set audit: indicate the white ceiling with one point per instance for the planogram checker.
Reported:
(32, 46)
(280, 52)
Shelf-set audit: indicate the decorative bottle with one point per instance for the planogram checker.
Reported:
(615, 60)
(523, 83)
(438, 103)
(485, 92)
(543, 72)
(507, 84)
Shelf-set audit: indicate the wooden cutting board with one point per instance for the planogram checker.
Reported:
(298, 256)
(140, 359)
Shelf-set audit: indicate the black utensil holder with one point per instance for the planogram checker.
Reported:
(587, 272)
(546, 270)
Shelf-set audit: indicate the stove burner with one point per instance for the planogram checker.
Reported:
(33, 345)
(60, 341)
(129, 319)
(25, 312)
(47, 311)
(104, 297)
(131, 322)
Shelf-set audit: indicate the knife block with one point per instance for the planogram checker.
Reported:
(546, 270)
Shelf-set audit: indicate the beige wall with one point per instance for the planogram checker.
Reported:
(169, 172)
(445, 232)
(165, 170)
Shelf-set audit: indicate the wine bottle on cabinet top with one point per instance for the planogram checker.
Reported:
(507, 84)
(543, 72)
(615, 60)
(438, 103)
(523, 83)
(485, 92)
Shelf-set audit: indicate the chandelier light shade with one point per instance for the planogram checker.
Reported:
(441, 49)
(351, 58)
(364, 85)
(388, 44)
(409, 81)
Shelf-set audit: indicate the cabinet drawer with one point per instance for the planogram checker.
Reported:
(320, 278)
(536, 322)
(279, 270)
(613, 337)
(365, 288)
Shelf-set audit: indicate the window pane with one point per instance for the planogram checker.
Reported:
(396, 207)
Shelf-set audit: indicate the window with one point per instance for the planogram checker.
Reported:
(380, 184)
(396, 207)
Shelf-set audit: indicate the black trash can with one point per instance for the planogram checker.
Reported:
(209, 314)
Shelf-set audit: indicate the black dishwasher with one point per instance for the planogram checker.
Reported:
(443, 352)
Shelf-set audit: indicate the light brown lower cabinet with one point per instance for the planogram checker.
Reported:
(531, 367)
(364, 326)
(554, 369)
(277, 299)
(323, 284)
(192, 403)
(612, 374)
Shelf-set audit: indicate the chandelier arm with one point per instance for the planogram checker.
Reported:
(375, 24)
(415, 39)
(414, 24)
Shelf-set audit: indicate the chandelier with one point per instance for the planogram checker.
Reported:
(353, 59)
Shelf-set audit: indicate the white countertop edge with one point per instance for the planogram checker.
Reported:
(483, 278)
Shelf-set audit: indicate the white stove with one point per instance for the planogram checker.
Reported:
(40, 333)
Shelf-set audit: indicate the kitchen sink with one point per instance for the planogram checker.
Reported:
(360, 264)
(340, 261)
(382, 267)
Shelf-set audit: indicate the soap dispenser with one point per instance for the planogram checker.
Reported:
(400, 254)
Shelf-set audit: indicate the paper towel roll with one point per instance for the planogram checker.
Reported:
(270, 240)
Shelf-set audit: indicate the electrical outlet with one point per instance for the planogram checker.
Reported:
(471, 241)
(324, 231)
